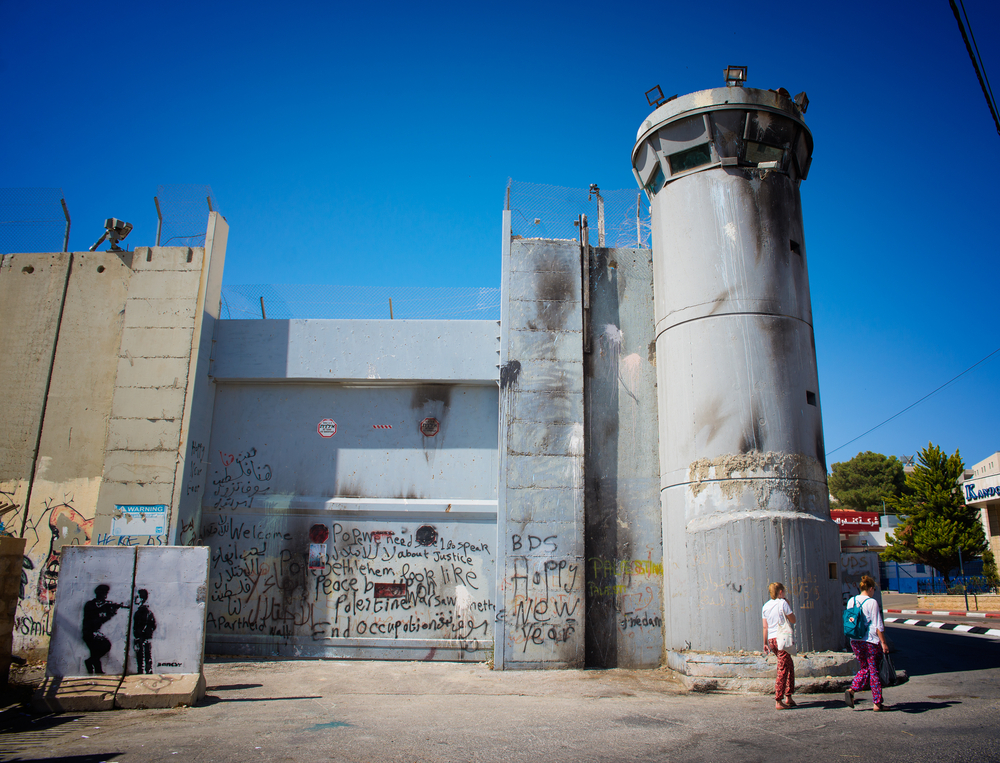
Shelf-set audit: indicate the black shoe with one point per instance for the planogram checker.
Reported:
(849, 698)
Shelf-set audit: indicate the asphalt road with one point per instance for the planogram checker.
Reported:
(381, 711)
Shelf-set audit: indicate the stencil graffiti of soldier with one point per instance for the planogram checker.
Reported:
(143, 625)
(96, 612)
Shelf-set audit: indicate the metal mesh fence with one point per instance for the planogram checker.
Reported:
(32, 220)
(360, 302)
(548, 211)
(183, 211)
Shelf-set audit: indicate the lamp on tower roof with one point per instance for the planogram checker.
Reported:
(735, 76)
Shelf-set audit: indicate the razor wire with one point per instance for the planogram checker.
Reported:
(552, 212)
(33, 220)
(295, 301)
(183, 214)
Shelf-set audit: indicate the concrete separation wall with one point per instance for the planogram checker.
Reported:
(105, 360)
(623, 533)
(351, 489)
(541, 623)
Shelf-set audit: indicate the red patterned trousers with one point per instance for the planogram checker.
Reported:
(784, 686)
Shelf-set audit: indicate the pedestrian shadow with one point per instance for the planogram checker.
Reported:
(100, 757)
(211, 699)
(16, 720)
(920, 707)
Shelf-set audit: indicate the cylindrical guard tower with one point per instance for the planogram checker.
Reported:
(743, 471)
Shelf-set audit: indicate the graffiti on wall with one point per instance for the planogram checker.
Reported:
(631, 587)
(345, 579)
(543, 592)
(57, 526)
(237, 478)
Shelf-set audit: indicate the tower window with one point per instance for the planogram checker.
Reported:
(690, 158)
(761, 152)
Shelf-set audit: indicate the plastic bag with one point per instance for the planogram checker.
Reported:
(887, 671)
(783, 637)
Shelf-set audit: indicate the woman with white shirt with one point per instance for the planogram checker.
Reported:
(773, 613)
(867, 650)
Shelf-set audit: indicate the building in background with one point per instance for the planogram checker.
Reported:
(982, 490)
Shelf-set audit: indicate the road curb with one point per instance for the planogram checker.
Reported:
(940, 613)
(977, 630)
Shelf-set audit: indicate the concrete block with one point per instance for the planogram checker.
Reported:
(562, 504)
(564, 285)
(542, 315)
(535, 438)
(144, 466)
(536, 256)
(168, 258)
(544, 471)
(75, 695)
(547, 406)
(546, 345)
(159, 691)
(31, 291)
(148, 403)
(90, 625)
(161, 313)
(545, 539)
(143, 434)
(163, 284)
(551, 375)
(156, 342)
(173, 609)
(152, 372)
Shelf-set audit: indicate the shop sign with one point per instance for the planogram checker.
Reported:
(855, 521)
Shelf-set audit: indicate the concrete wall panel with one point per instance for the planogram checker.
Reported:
(623, 519)
(31, 294)
(540, 520)
(91, 628)
(355, 349)
(389, 580)
(68, 471)
(176, 583)
(265, 443)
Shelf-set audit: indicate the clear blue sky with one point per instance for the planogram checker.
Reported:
(371, 144)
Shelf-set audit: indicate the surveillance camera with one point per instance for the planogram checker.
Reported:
(115, 230)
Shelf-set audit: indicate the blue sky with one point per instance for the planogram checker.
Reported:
(370, 144)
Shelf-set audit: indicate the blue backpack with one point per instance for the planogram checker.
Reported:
(855, 622)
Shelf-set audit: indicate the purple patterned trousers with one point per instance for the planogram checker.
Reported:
(869, 655)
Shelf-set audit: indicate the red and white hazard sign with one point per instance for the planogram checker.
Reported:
(430, 427)
(327, 428)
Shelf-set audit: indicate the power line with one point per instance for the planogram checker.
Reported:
(973, 49)
(978, 363)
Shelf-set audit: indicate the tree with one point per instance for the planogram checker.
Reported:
(990, 569)
(866, 480)
(936, 521)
